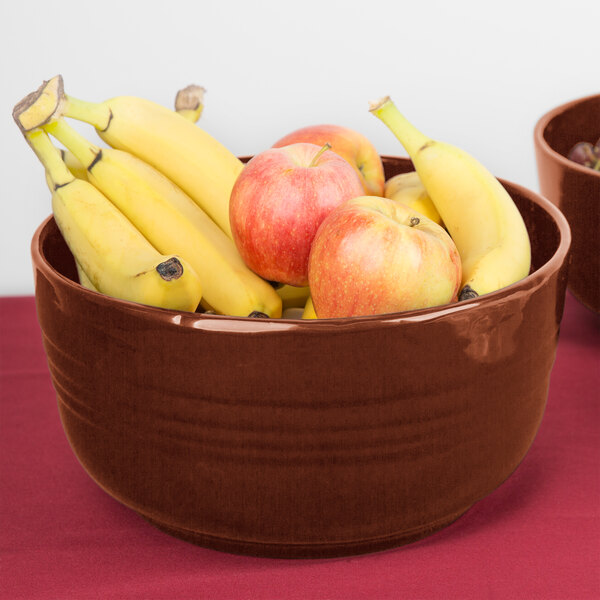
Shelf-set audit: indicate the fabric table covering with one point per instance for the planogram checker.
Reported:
(536, 537)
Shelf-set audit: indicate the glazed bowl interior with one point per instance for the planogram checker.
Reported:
(304, 439)
(574, 188)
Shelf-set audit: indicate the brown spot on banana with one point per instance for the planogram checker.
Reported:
(170, 269)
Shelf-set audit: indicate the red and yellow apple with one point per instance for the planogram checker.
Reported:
(278, 202)
(349, 144)
(373, 255)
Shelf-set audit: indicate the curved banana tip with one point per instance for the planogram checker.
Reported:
(190, 97)
(39, 107)
(257, 314)
(467, 293)
(377, 104)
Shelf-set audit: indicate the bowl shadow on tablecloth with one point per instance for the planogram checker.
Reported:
(514, 496)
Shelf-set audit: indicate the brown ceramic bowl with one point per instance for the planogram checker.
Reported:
(575, 189)
(287, 438)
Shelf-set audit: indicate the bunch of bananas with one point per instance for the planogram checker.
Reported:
(157, 195)
(147, 218)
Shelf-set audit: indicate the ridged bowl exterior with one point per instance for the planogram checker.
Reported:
(575, 189)
(290, 438)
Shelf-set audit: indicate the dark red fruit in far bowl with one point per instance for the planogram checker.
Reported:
(319, 438)
(586, 154)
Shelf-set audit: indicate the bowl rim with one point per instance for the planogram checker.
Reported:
(237, 324)
(544, 146)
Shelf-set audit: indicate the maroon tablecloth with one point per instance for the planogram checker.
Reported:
(62, 537)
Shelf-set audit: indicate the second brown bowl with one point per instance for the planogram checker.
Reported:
(575, 189)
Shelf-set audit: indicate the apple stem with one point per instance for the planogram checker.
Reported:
(326, 147)
(414, 221)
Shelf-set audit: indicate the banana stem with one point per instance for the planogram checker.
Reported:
(190, 115)
(41, 106)
(83, 150)
(50, 157)
(309, 310)
(408, 135)
(189, 102)
(94, 113)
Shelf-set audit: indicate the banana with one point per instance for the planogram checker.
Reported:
(309, 310)
(114, 255)
(408, 188)
(73, 164)
(172, 222)
(191, 158)
(84, 280)
(292, 296)
(478, 212)
(189, 103)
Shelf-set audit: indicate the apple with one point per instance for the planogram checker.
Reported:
(278, 202)
(373, 255)
(349, 144)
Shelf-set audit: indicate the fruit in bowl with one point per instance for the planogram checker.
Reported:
(586, 154)
(157, 209)
(373, 255)
(278, 202)
(349, 144)
(476, 209)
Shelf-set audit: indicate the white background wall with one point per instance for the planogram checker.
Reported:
(474, 74)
